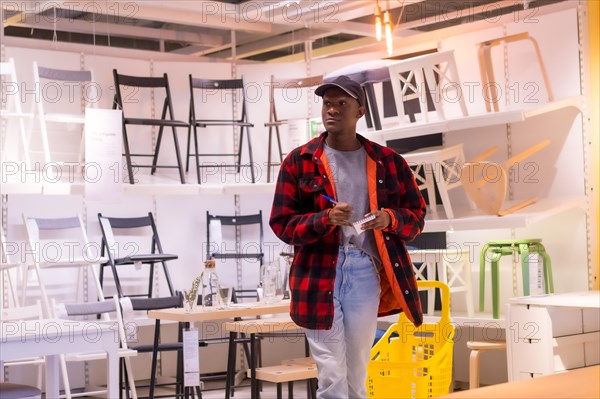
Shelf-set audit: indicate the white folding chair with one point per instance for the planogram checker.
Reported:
(21, 313)
(73, 86)
(12, 110)
(93, 309)
(60, 243)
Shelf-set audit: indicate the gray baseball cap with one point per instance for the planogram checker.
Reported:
(351, 87)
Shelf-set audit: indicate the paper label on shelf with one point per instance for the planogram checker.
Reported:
(103, 149)
(191, 359)
(536, 275)
(297, 132)
(216, 234)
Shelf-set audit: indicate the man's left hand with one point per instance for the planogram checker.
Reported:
(381, 221)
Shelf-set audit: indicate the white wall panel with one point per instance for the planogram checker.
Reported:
(181, 219)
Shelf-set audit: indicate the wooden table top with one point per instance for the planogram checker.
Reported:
(235, 310)
(583, 383)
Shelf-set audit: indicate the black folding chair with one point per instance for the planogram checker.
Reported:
(111, 247)
(166, 119)
(216, 251)
(213, 95)
(147, 304)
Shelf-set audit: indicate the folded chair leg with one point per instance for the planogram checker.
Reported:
(196, 155)
(178, 156)
(121, 382)
(128, 156)
(230, 376)
(67, 385)
(130, 379)
(187, 156)
(269, 145)
(239, 153)
(150, 280)
(251, 159)
(154, 355)
(156, 151)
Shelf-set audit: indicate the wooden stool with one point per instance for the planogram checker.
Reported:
(438, 70)
(509, 247)
(486, 183)
(286, 373)
(486, 67)
(453, 268)
(444, 164)
(477, 347)
(302, 361)
(253, 328)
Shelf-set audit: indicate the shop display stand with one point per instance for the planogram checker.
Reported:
(552, 333)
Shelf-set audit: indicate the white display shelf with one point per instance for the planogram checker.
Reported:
(469, 219)
(513, 115)
(465, 217)
(584, 299)
(147, 185)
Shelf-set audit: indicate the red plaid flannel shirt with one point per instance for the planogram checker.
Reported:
(299, 218)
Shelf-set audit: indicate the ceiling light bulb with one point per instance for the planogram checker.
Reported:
(378, 23)
(388, 33)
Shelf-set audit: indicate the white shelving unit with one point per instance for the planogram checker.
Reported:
(515, 115)
(546, 334)
(157, 186)
(469, 219)
(465, 219)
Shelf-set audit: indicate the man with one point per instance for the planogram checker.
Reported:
(342, 278)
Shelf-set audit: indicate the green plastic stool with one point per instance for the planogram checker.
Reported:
(498, 249)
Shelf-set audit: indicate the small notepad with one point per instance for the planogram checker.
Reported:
(362, 221)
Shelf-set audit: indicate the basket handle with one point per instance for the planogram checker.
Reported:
(445, 291)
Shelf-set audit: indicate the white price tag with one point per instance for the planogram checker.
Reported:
(191, 358)
(103, 159)
(216, 233)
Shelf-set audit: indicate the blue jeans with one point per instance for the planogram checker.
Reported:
(342, 353)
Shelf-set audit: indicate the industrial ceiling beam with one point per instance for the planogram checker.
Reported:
(275, 43)
(197, 13)
(116, 30)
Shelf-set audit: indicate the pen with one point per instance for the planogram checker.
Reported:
(328, 198)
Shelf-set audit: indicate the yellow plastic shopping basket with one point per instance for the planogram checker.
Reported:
(410, 362)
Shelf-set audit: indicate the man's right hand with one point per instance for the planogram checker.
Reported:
(340, 214)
